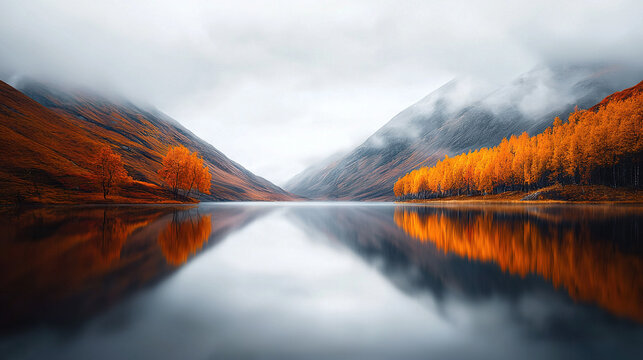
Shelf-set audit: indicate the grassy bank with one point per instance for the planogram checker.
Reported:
(135, 192)
(553, 194)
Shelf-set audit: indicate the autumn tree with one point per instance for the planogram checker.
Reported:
(198, 176)
(603, 145)
(183, 170)
(107, 168)
(174, 168)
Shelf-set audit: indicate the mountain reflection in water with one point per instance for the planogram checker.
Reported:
(321, 281)
(62, 264)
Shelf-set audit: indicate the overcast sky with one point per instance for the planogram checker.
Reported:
(278, 85)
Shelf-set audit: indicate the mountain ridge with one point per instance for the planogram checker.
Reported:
(72, 125)
(432, 128)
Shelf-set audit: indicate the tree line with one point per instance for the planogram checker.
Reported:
(180, 170)
(599, 146)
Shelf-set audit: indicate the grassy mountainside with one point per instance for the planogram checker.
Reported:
(49, 137)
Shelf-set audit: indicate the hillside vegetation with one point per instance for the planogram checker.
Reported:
(460, 116)
(602, 145)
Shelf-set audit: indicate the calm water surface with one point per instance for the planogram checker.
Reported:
(321, 281)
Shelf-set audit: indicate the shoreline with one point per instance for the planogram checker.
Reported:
(555, 194)
(522, 202)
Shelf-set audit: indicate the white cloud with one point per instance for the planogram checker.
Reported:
(273, 84)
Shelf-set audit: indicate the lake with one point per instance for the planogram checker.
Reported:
(322, 281)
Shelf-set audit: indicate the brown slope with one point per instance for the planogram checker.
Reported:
(48, 139)
(620, 96)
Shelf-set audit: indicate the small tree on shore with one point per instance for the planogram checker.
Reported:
(108, 170)
(183, 170)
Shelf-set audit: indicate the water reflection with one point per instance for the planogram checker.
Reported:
(321, 281)
(184, 236)
(481, 253)
(571, 250)
(61, 264)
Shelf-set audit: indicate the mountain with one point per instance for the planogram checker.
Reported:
(458, 117)
(48, 137)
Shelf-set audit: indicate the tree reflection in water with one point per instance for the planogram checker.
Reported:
(572, 253)
(490, 281)
(184, 236)
(61, 264)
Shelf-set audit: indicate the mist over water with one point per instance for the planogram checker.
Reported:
(321, 280)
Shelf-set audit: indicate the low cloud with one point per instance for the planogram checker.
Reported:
(274, 84)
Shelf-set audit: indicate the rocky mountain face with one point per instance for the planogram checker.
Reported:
(458, 117)
(49, 136)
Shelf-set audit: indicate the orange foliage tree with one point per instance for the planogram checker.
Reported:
(184, 170)
(594, 146)
(107, 168)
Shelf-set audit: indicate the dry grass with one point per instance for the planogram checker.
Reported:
(553, 194)
(46, 154)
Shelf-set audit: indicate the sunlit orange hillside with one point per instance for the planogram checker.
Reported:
(620, 96)
(599, 146)
(48, 138)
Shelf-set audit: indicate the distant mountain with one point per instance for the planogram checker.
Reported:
(48, 137)
(458, 117)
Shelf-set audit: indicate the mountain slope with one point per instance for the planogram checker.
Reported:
(602, 146)
(49, 136)
(446, 122)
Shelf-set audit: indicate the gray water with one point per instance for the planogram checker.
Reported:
(321, 281)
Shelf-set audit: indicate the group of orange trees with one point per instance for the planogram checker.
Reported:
(180, 170)
(602, 146)
(185, 170)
